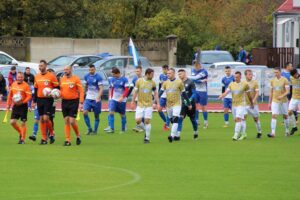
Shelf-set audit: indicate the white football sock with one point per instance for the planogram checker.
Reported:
(286, 124)
(147, 131)
(258, 126)
(273, 125)
(237, 129)
(244, 126)
(174, 129)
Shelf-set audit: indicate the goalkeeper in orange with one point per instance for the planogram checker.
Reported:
(72, 96)
(19, 95)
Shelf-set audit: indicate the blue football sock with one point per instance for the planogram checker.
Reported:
(197, 116)
(111, 121)
(180, 120)
(35, 129)
(194, 123)
(96, 123)
(205, 115)
(168, 120)
(226, 117)
(123, 122)
(87, 122)
(143, 120)
(162, 116)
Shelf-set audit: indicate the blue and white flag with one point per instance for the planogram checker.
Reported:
(133, 52)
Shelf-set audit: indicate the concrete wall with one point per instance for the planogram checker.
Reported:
(159, 52)
(49, 48)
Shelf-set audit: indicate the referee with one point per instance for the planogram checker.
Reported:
(44, 103)
(72, 96)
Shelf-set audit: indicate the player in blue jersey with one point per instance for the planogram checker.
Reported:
(200, 76)
(94, 89)
(118, 94)
(286, 72)
(162, 100)
(227, 101)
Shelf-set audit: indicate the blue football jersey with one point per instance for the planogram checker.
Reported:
(197, 76)
(286, 75)
(93, 83)
(163, 78)
(225, 83)
(118, 86)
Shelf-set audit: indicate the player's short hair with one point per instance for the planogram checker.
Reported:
(149, 71)
(44, 62)
(92, 66)
(165, 67)
(247, 70)
(277, 68)
(172, 69)
(13, 68)
(139, 67)
(293, 72)
(27, 68)
(50, 70)
(238, 72)
(115, 70)
(181, 70)
(21, 73)
(227, 67)
(287, 64)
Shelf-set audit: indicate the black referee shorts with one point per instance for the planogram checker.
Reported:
(70, 107)
(44, 106)
(186, 112)
(20, 112)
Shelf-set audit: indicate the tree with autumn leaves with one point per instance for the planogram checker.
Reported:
(197, 23)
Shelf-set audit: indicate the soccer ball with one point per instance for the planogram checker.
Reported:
(46, 92)
(17, 97)
(55, 93)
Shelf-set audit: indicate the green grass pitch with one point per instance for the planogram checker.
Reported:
(119, 166)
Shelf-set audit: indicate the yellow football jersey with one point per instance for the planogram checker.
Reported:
(296, 87)
(279, 87)
(238, 91)
(173, 91)
(253, 88)
(144, 89)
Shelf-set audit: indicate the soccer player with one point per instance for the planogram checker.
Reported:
(295, 101)
(174, 90)
(162, 100)
(238, 90)
(118, 94)
(72, 96)
(138, 74)
(144, 88)
(253, 111)
(94, 90)
(199, 76)
(44, 103)
(278, 101)
(190, 90)
(29, 79)
(227, 101)
(20, 108)
(286, 73)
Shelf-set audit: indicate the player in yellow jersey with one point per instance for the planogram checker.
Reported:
(295, 101)
(238, 90)
(278, 101)
(144, 89)
(253, 111)
(174, 90)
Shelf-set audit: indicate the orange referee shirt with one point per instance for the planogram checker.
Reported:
(44, 80)
(22, 88)
(71, 88)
